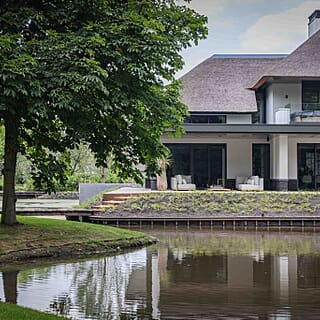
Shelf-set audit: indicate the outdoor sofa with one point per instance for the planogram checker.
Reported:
(253, 183)
(182, 182)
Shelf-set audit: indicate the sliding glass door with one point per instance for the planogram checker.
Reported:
(261, 163)
(200, 165)
(217, 165)
(205, 162)
(309, 166)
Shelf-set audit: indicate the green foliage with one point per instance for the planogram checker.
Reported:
(82, 167)
(79, 71)
(227, 203)
(11, 312)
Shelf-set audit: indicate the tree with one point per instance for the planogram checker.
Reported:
(75, 71)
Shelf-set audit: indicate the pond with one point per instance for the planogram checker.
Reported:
(189, 274)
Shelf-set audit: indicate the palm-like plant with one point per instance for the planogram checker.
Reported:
(163, 164)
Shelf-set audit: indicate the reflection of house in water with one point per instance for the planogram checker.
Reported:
(137, 285)
(212, 285)
(167, 281)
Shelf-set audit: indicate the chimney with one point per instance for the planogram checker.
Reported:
(314, 23)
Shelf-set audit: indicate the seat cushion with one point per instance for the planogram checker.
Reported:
(187, 178)
(186, 186)
(255, 180)
(248, 187)
(240, 179)
(250, 181)
(179, 178)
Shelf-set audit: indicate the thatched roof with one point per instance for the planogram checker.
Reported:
(222, 82)
(219, 84)
(304, 62)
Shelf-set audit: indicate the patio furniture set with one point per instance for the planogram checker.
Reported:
(184, 182)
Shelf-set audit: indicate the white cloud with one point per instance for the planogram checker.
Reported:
(217, 6)
(215, 9)
(281, 32)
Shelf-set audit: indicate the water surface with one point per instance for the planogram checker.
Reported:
(188, 275)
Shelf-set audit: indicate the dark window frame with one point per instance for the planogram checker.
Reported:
(206, 118)
(190, 148)
(309, 88)
(261, 152)
(308, 166)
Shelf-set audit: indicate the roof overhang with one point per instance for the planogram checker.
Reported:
(275, 78)
(259, 83)
(254, 128)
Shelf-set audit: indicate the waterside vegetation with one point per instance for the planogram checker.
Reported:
(226, 203)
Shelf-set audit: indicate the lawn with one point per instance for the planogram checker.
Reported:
(34, 237)
(12, 312)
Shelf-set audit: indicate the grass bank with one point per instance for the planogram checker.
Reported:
(208, 203)
(13, 312)
(40, 237)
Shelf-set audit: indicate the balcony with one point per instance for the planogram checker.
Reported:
(304, 112)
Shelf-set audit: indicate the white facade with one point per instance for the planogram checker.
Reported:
(283, 151)
(279, 156)
(282, 97)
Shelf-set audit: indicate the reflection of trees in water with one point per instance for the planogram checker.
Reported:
(61, 305)
(101, 285)
(37, 273)
(92, 289)
(10, 286)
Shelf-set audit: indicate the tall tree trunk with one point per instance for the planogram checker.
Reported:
(103, 174)
(10, 160)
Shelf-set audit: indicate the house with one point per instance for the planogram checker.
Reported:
(253, 114)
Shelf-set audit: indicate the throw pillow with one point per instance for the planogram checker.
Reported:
(179, 179)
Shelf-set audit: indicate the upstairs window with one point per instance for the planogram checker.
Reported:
(206, 118)
(310, 95)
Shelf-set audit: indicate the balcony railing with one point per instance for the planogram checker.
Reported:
(308, 112)
(305, 116)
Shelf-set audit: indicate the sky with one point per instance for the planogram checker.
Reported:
(250, 26)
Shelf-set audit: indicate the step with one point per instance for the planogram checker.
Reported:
(112, 202)
(111, 196)
(103, 206)
(117, 198)
(99, 207)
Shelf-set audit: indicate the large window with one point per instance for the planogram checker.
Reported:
(261, 162)
(310, 95)
(309, 166)
(206, 163)
(205, 118)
